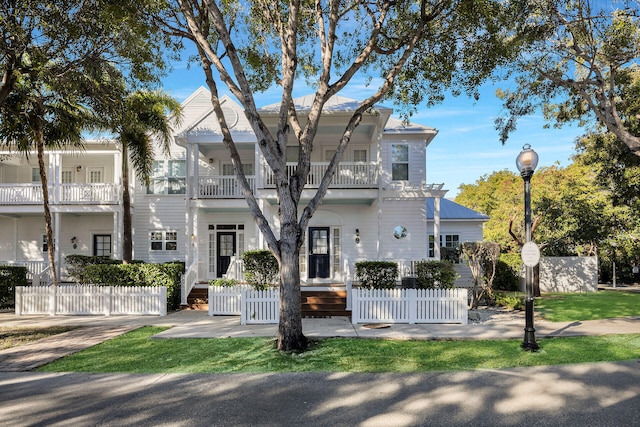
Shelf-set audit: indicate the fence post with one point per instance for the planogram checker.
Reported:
(18, 300)
(53, 290)
(412, 299)
(163, 300)
(243, 307)
(355, 305)
(210, 299)
(107, 299)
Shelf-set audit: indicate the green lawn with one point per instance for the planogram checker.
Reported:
(588, 306)
(135, 352)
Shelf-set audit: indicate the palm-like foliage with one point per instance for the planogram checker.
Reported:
(143, 124)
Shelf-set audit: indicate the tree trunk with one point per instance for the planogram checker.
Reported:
(127, 243)
(290, 336)
(45, 201)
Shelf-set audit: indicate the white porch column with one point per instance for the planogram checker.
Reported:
(436, 228)
(116, 244)
(257, 169)
(57, 243)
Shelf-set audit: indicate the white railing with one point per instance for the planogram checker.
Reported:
(188, 281)
(348, 174)
(20, 194)
(90, 299)
(409, 306)
(44, 278)
(29, 194)
(33, 267)
(226, 300)
(235, 269)
(98, 193)
(260, 307)
(222, 187)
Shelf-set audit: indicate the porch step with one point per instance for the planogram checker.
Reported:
(324, 303)
(198, 299)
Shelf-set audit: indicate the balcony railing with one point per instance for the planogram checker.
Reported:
(348, 175)
(222, 187)
(31, 194)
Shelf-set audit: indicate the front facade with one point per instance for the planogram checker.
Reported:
(375, 209)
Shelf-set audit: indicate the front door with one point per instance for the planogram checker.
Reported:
(318, 252)
(226, 245)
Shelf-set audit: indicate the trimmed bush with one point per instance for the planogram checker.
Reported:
(224, 283)
(10, 277)
(377, 274)
(435, 274)
(168, 274)
(506, 278)
(510, 301)
(76, 265)
(260, 268)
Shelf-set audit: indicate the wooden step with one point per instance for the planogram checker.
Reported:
(198, 299)
(324, 303)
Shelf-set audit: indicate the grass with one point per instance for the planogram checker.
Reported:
(12, 337)
(588, 306)
(135, 352)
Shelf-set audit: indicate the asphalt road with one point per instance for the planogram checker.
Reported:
(599, 394)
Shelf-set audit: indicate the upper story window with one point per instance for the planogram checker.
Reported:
(168, 177)
(35, 175)
(359, 155)
(228, 170)
(399, 162)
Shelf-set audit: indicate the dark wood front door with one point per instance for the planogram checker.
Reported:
(226, 248)
(318, 252)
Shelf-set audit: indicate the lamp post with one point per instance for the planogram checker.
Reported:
(526, 162)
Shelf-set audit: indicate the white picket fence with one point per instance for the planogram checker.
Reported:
(91, 299)
(226, 300)
(409, 306)
(260, 307)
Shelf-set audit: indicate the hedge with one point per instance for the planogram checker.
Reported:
(10, 277)
(167, 274)
(260, 268)
(377, 274)
(435, 274)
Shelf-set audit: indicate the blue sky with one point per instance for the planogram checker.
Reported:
(467, 145)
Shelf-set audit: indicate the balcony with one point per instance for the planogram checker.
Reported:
(67, 194)
(222, 187)
(348, 175)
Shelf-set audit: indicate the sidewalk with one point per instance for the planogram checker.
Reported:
(197, 324)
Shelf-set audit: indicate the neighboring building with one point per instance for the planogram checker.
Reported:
(193, 209)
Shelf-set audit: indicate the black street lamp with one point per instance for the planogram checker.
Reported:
(526, 162)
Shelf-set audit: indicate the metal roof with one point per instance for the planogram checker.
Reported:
(450, 210)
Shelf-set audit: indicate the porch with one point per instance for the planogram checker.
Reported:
(63, 194)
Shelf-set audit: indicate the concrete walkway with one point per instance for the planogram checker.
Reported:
(197, 324)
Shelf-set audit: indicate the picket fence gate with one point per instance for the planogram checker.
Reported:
(409, 306)
(226, 300)
(91, 299)
(260, 307)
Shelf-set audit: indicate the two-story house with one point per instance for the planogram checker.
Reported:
(376, 207)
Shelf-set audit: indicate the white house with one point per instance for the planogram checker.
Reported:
(379, 205)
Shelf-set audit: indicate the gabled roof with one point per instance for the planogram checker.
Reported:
(452, 211)
(334, 104)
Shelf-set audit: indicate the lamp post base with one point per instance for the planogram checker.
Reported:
(529, 343)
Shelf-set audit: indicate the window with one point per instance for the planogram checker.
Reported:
(400, 162)
(168, 177)
(360, 155)
(329, 153)
(102, 245)
(336, 251)
(292, 153)
(451, 241)
(45, 245)
(95, 176)
(400, 232)
(67, 176)
(164, 240)
(227, 169)
(35, 175)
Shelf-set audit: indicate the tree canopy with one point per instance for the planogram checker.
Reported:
(580, 64)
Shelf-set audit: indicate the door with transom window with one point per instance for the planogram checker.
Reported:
(226, 248)
(319, 256)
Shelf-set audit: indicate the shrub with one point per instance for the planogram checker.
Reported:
(377, 274)
(225, 283)
(10, 277)
(76, 265)
(435, 274)
(506, 278)
(260, 268)
(167, 274)
(509, 301)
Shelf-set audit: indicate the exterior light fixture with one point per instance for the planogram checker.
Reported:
(357, 235)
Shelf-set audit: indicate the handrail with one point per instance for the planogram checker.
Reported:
(44, 278)
(189, 281)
